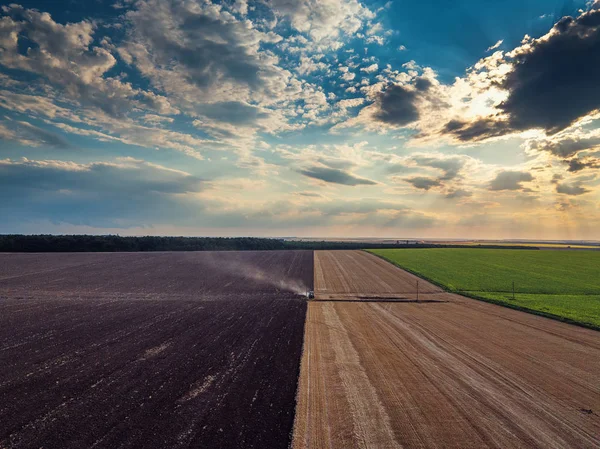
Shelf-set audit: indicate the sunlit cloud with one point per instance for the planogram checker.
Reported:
(316, 118)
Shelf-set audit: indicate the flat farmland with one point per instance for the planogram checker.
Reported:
(150, 350)
(360, 275)
(458, 373)
(563, 284)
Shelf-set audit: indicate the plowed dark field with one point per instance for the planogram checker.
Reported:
(157, 350)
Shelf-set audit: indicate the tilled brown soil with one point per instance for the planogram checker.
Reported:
(157, 350)
(361, 275)
(454, 374)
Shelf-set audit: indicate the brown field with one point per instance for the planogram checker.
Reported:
(360, 275)
(452, 374)
(152, 350)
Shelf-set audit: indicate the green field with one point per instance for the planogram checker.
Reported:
(563, 284)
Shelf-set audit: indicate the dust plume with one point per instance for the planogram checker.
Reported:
(274, 278)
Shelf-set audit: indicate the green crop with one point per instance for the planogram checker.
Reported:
(565, 284)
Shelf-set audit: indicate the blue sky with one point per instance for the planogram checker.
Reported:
(474, 119)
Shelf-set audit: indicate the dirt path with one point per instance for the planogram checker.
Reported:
(455, 374)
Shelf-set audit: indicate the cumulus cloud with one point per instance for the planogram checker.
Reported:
(545, 85)
(565, 146)
(424, 183)
(449, 165)
(335, 176)
(207, 61)
(448, 170)
(325, 19)
(458, 193)
(510, 180)
(576, 164)
(198, 52)
(573, 189)
(65, 56)
(371, 68)
(396, 106)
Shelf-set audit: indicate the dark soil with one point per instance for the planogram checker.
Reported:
(161, 350)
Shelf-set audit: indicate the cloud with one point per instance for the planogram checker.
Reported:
(573, 189)
(126, 176)
(496, 45)
(396, 106)
(458, 193)
(449, 165)
(479, 129)
(510, 180)
(27, 134)
(97, 193)
(547, 87)
(547, 84)
(64, 56)
(324, 19)
(576, 165)
(550, 84)
(197, 52)
(335, 176)
(565, 146)
(371, 212)
(423, 183)
(310, 194)
(370, 69)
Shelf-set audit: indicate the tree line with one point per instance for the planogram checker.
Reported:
(112, 243)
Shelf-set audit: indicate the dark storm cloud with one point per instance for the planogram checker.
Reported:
(554, 82)
(335, 176)
(423, 183)
(510, 180)
(396, 106)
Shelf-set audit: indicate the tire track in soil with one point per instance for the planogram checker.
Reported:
(457, 374)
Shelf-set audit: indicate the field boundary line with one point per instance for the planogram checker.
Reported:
(383, 300)
(466, 294)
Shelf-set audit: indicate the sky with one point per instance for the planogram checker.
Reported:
(335, 118)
